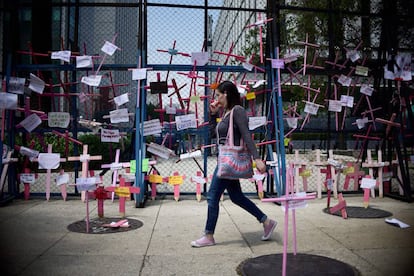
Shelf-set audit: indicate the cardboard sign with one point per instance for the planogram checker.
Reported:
(159, 87)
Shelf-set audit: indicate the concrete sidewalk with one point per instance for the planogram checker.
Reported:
(35, 239)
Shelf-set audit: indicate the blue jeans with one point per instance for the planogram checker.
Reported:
(217, 187)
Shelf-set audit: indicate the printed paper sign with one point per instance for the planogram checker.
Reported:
(62, 179)
(366, 90)
(86, 184)
(368, 183)
(139, 74)
(311, 108)
(28, 178)
(36, 84)
(201, 58)
(247, 66)
(255, 122)
(344, 80)
(62, 55)
(119, 116)
(93, 80)
(185, 121)
(335, 106)
(49, 161)
(292, 122)
(347, 101)
(58, 119)
(121, 99)
(109, 48)
(241, 90)
(175, 180)
(31, 122)
(16, 85)
(278, 63)
(84, 62)
(110, 135)
(8, 101)
(152, 127)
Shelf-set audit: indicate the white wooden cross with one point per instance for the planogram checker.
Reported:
(49, 161)
(84, 158)
(115, 167)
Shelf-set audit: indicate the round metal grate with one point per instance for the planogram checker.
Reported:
(299, 264)
(362, 212)
(96, 226)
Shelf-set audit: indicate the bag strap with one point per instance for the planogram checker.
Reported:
(230, 131)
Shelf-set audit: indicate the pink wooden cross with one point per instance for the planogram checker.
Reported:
(123, 193)
(115, 167)
(390, 124)
(49, 171)
(176, 180)
(5, 168)
(319, 163)
(379, 165)
(291, 201)
(84, 158)
(172, 52)
(260, 23)
(365, 139)
(198, 180)
(67, 140)
(353, 172)
(258, 179)
(306, 43)
(340, 206)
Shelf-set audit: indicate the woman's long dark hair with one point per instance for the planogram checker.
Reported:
(233, 95)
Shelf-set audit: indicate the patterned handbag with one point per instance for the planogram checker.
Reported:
(234, 162)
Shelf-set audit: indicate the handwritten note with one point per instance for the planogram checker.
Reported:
(366, 90)
(93, 80)
(139, 74)
(311, 108)
(110, 135)
(16, 85)
(121, 99)
(335, 106)
(8, 101)
(109, 48)
(62, 179)
(119, 116)
(58, 119)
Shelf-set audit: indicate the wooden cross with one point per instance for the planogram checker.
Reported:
(123, 193)
(26, 178)
(390, 124)
(49, 171)
(172, 52)
(84, 158)
(365, 138)
(299, 166)
(260, 23)
(291, 201)
(379, 165)
(352, 172)
(5, 162)
(67, 139)
(198, 180)
(176, 180)
(340, 206)
(306, 43)
(115, 167)
(319, 163)
(258, 179)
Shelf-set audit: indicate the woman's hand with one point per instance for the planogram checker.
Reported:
(214, 107)
(260, 165)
